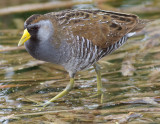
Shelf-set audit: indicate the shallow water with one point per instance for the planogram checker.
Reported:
(130, 76)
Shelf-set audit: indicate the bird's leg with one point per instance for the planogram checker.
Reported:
(61, 94)
(99, 81)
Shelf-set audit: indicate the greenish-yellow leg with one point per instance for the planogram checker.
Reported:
(99, 82)
(63, 93)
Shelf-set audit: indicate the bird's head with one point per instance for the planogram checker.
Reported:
(38, 28)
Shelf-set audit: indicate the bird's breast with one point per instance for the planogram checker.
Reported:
(44, 51)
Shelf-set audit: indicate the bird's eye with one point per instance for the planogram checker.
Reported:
(34, 28)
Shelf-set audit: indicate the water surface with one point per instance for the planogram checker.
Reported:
(130, 75)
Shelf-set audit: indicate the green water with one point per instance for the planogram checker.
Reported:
(130, 75)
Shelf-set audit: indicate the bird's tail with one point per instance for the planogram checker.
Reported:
(140, 25)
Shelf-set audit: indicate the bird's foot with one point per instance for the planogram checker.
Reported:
(43, 105)
(33, 101)
(39, 104)
(99, 94)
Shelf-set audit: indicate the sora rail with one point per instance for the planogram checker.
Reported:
(77, 39)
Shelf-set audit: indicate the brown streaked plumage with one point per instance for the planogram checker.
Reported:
(77, 39)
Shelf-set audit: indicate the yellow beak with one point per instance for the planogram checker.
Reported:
(24, 37)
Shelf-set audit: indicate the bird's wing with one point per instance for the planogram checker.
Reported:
(103, 28)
